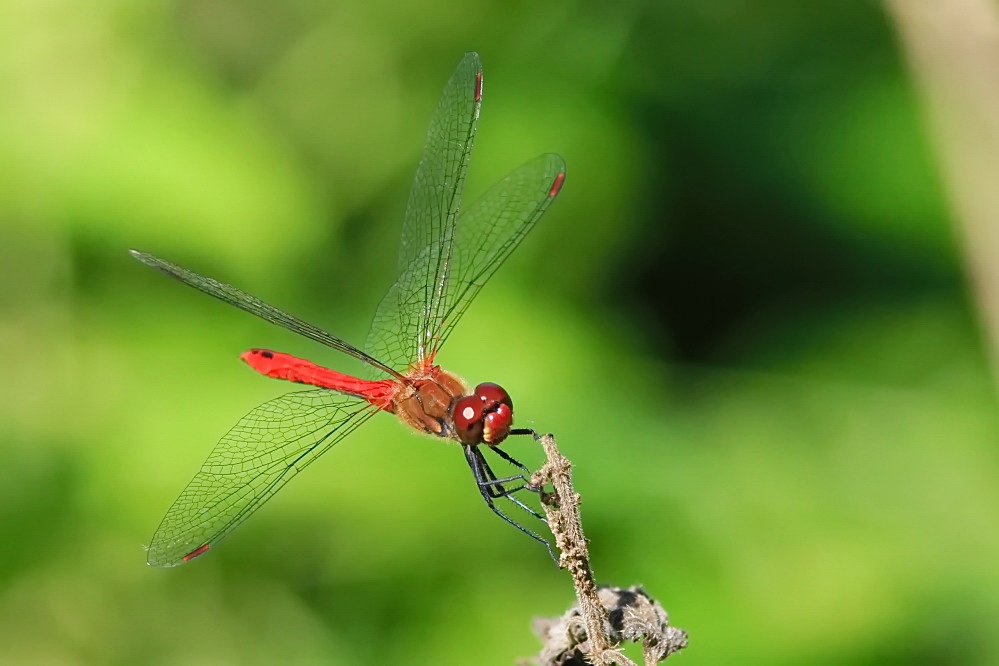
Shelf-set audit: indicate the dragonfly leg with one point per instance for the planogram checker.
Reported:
(508, 492)
(510, 459)
(485, 479)
(521, 431)
(493, 485)
(506, 479)
(493, 482)
(509, 495)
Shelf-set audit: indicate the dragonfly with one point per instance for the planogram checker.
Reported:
(447, 254)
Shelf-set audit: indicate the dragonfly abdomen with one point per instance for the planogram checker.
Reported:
(279, 365)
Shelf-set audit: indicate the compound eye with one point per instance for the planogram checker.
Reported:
(492, 395)
(468, 419)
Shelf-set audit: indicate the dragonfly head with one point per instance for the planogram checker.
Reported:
(485, 416)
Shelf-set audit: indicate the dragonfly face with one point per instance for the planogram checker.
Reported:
(485, 417)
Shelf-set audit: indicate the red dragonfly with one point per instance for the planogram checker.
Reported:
(445, 258)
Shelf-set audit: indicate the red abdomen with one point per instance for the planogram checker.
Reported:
(291, 368)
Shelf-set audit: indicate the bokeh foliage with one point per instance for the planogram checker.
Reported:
(745, 319)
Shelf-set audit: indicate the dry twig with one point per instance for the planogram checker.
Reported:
(602, 617)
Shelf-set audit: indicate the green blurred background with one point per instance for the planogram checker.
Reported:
(745, 318)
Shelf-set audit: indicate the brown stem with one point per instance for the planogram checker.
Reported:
(562, 510)
(639, 616)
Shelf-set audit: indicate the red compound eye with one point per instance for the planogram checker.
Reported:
(468, 419)
(492, 395)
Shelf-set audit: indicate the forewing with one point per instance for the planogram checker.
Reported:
(400, 331)
(489, 230)
(250, 463)
(255, 306)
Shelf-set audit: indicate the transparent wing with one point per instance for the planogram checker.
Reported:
(255, 306)
(488, 231)
(484, 236)
(261, 453)
(399, 332)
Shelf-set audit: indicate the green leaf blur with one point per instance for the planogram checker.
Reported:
(745, 319)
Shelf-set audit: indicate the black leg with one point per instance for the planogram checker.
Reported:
(495, 485)
(484, 480)
(507, 492)
(496, 490)
(521, 431)
(494, 482)
(510, 459)
(507, 479)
